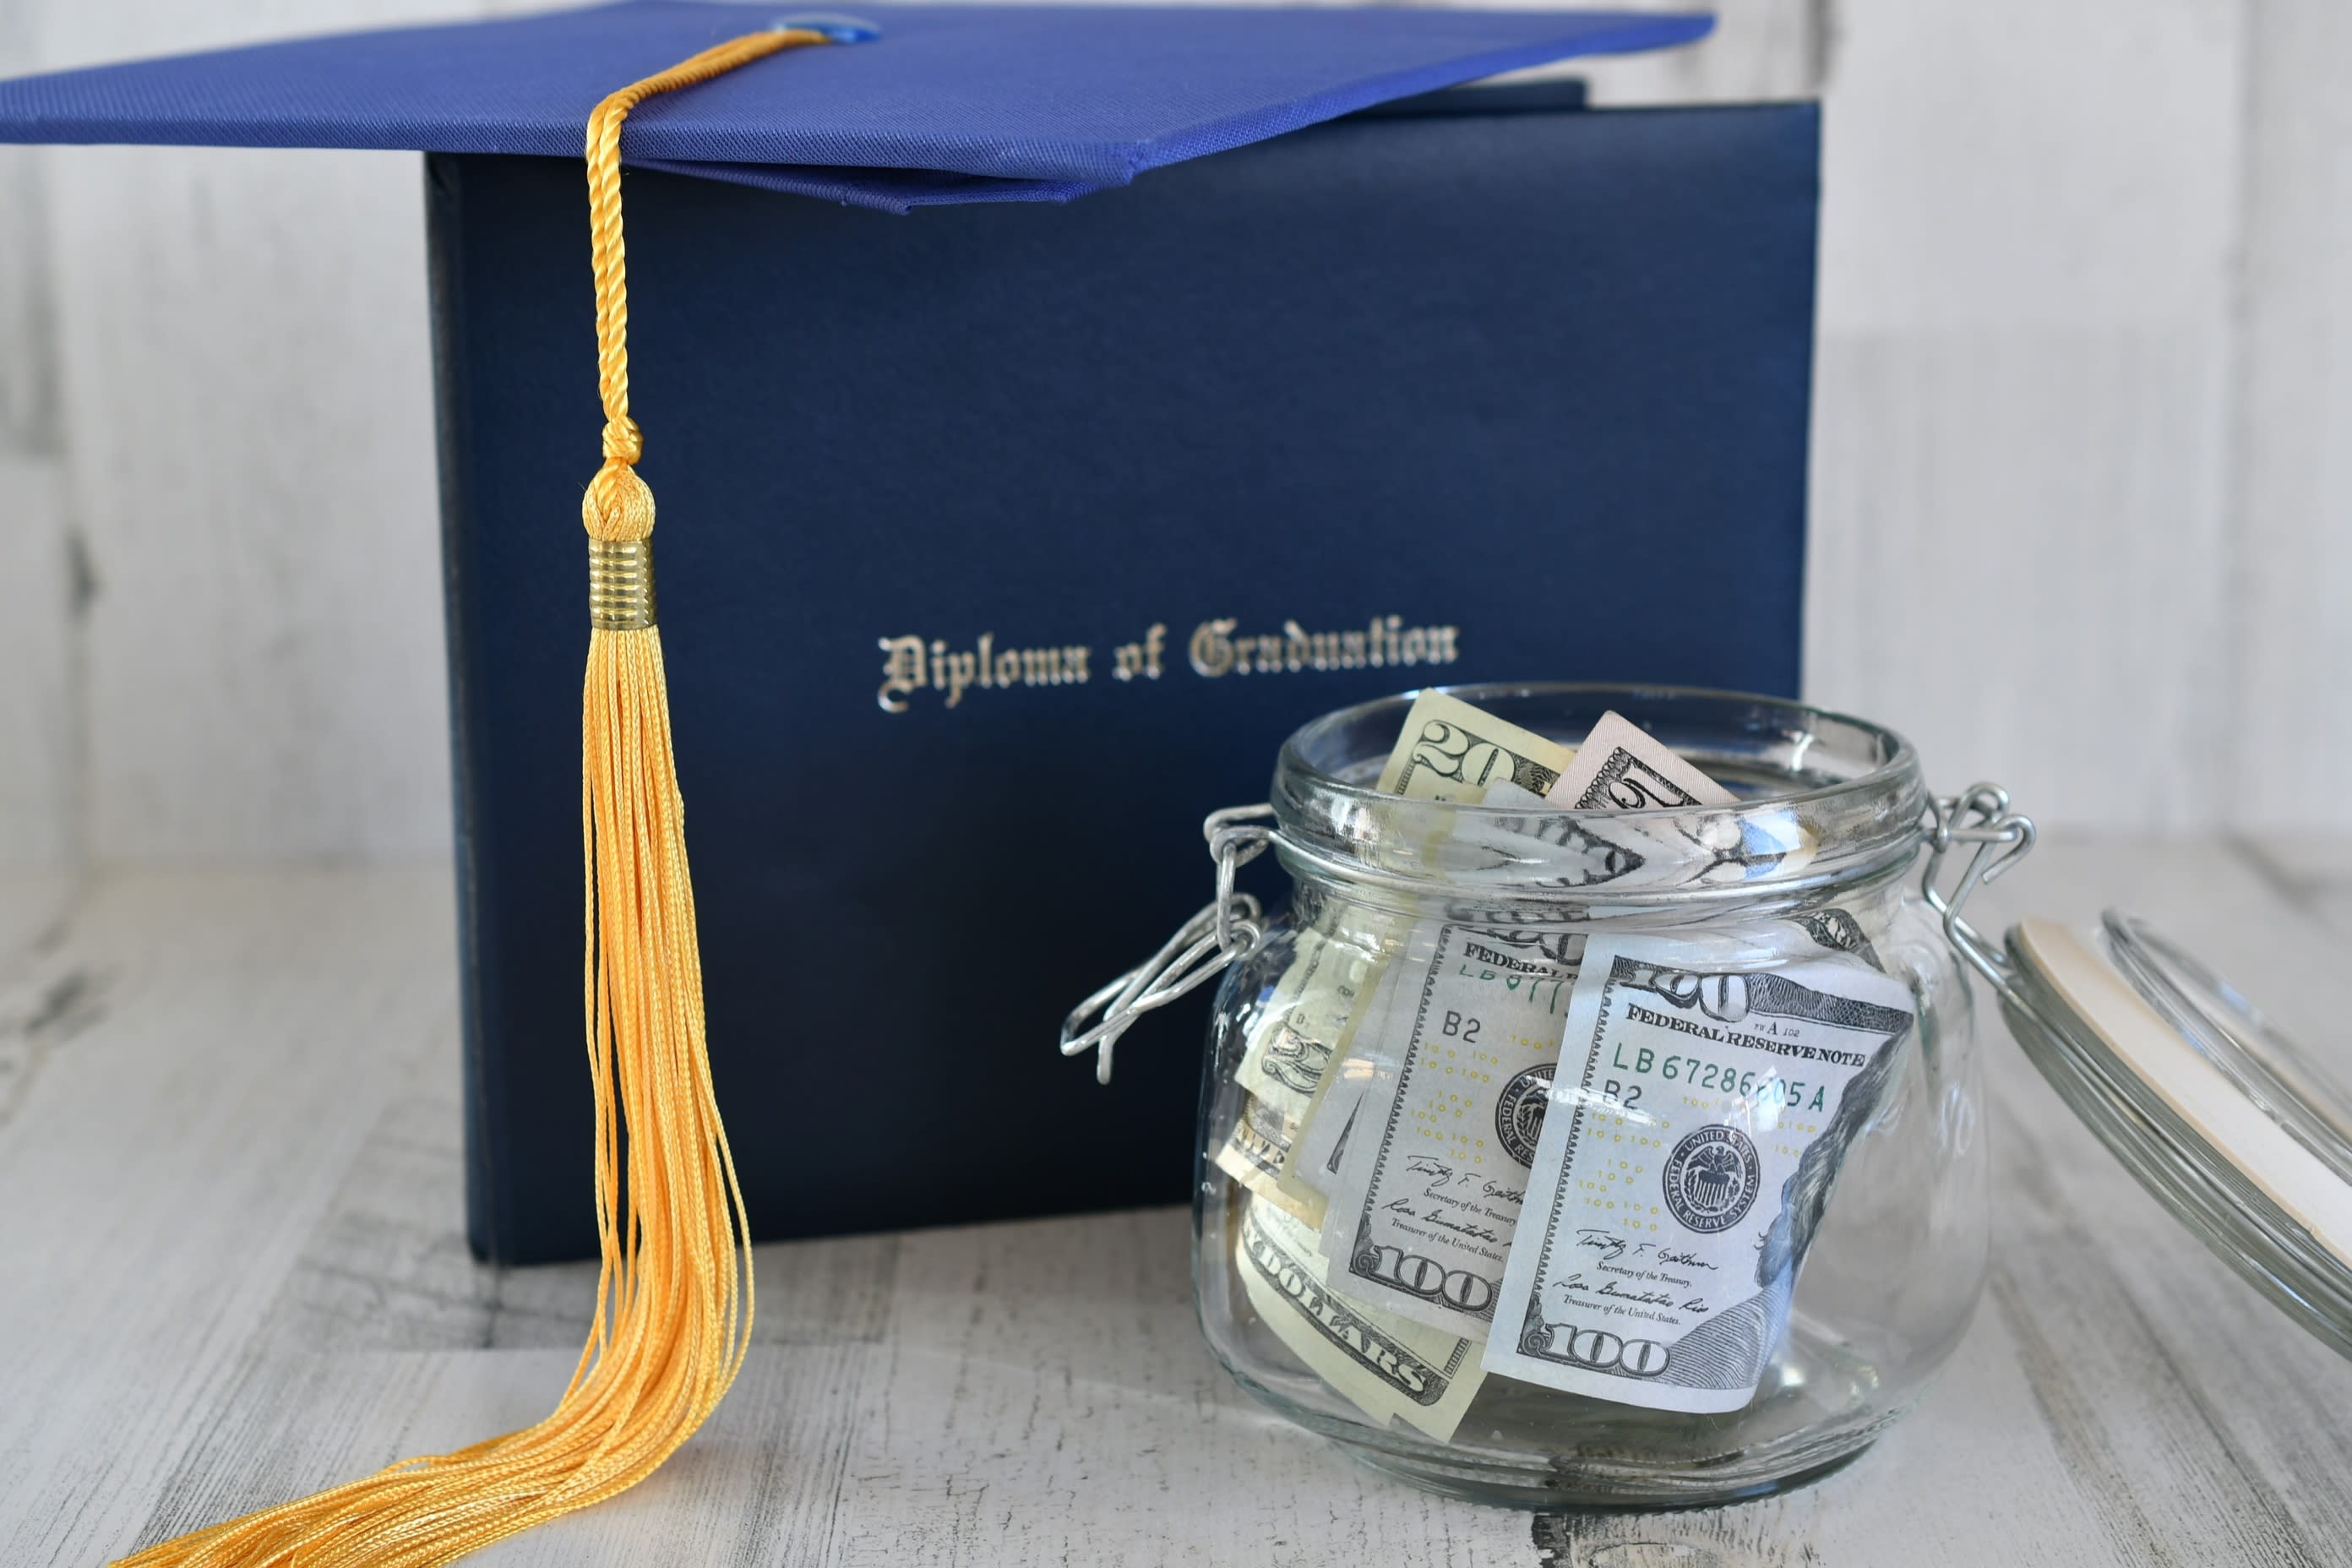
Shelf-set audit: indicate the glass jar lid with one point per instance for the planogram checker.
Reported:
(2234, 1128)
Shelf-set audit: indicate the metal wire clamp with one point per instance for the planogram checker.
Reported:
(1227, 930)
(2001, 838)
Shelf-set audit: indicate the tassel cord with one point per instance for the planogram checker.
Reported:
(674, 1287)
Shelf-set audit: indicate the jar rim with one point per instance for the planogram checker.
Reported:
(1859, 823)
(1900, 756)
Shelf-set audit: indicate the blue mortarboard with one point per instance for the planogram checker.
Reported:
(944, 104)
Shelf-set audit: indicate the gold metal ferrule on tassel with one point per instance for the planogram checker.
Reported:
(620, 585)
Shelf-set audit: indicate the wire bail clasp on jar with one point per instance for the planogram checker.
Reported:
(1227, 930)
(2001, 838)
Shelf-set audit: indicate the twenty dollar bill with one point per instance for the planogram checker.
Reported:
(1451, 751)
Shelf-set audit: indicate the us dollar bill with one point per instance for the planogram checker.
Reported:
(1312, 1166)
(1386, 1367)
(1307, 1019)
(1620, 768)
(1420, 1219)
(1447, 750)
(1356, 1084)
(1254, 1152)
(1450, 750)
(1310, 1018)
(1616, 768)
(1694, 1134)
(1309, 1172)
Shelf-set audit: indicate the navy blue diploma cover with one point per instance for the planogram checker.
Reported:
(1000, 544)
(1002, 541)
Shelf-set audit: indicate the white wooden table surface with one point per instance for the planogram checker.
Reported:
(231, 1270)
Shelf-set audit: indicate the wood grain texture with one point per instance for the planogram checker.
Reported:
(247, 408)
(2292, 564)
(2123, 1398)
(2076, 518)
(28, 353)
(186, 1089)
(235, 1094)
(1763, 49)
(246, 420)
(251, 454)
(39, 720)
(2020, 549)
(40, 835)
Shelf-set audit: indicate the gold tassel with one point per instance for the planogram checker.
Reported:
(674, 1297)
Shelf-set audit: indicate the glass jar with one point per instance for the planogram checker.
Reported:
(1857, 1251)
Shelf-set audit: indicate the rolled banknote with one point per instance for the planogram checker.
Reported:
(1386, 1367)
(1696, 1128)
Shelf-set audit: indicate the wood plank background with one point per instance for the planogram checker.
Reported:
(2081, 456)
(234, 1091)
(40, 833)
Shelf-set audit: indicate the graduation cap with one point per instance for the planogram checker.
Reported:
(897, 108)
(944, 104)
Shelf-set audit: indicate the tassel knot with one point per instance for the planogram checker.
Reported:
(623, 442)
(619, 506)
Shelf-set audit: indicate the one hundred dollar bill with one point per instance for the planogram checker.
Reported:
(1309, 1174)
(1357, 1083)
(1386, 1367)
(1447, 750)
(1420, 1219)
(1312, 1166)
(1694, 1130)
